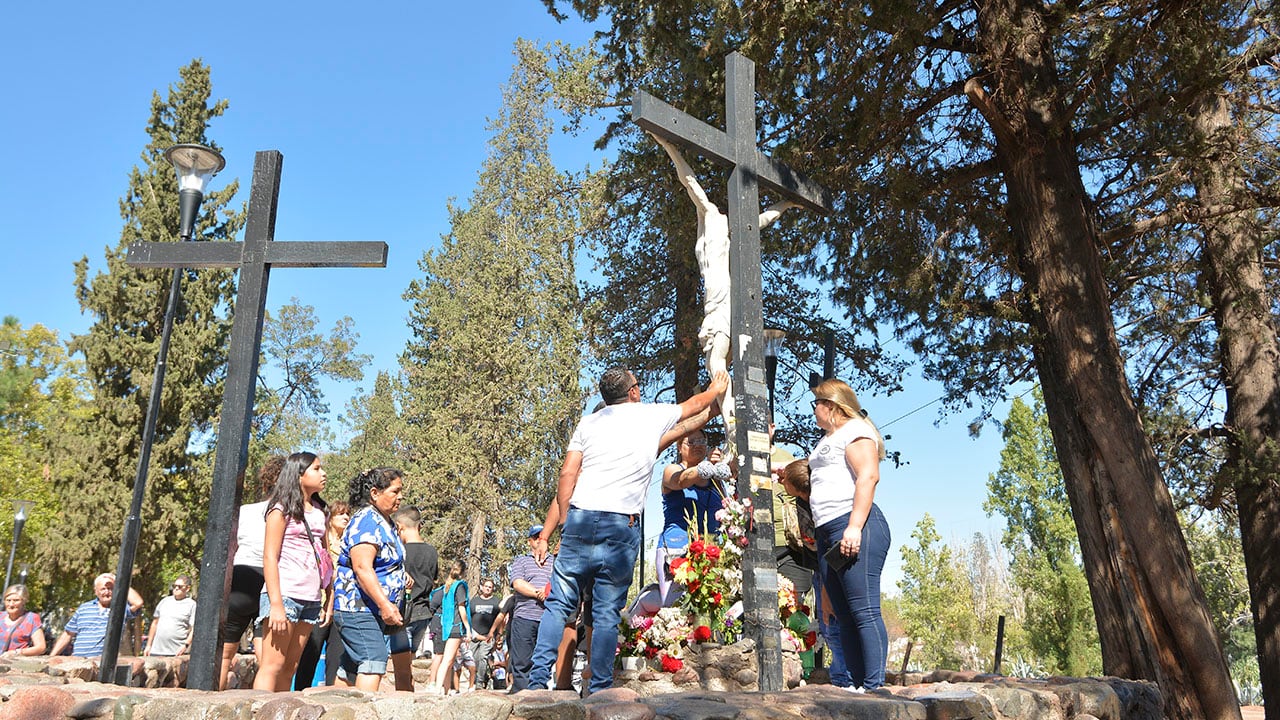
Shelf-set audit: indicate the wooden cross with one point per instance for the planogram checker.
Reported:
(736, 148)
(254, 258)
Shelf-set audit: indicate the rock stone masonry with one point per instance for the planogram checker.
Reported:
(52, 688)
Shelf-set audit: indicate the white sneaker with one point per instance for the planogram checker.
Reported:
(854, 690)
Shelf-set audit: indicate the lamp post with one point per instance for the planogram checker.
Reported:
(195, 165)
(23, 570)
(773, 339)
(20, 508)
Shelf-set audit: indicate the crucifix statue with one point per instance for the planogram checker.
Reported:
(254, 258)
(712, 251)
(736, 148)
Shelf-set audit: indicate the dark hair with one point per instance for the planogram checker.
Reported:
(287, 492)
(460, 565)
(409, 516)
(364, 484)
(269, 473)
(614, 385)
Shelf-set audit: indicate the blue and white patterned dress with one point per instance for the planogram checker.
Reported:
(369, 526)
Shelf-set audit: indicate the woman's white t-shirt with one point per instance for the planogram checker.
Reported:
(831, 479)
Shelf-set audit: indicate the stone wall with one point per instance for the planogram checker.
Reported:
(54, 688)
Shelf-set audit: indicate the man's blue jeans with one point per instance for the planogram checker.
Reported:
(855, 598)
(597, 549)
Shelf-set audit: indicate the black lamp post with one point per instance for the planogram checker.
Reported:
(196, 165)
(20, 508)
(773, 339)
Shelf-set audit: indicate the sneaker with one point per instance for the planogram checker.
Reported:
(854, 690)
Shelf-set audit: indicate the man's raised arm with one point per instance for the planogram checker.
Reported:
(703, 400)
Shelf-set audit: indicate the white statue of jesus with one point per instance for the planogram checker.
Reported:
(712, 250)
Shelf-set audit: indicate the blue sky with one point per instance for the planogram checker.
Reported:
(380, 111)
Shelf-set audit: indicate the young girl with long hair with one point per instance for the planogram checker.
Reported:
(455, 624)
(296, 569)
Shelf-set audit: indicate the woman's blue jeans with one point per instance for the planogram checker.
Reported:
(855, 597)
(598, 550)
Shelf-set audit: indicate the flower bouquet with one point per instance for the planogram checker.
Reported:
(734, 517)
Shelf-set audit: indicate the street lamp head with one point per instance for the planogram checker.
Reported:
(196, 165)
(773, 339)
(21, 508)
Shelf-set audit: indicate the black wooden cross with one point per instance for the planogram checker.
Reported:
(254, 258)
(736, 148)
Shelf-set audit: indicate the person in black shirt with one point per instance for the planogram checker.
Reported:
(422, 561)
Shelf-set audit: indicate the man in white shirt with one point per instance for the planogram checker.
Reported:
(171, 627)
(603, 482)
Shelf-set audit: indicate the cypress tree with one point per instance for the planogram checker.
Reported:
(119, 351)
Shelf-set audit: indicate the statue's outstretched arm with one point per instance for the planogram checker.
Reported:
(687, 178)
(774, 211)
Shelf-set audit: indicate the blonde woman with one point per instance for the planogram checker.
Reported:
(21, 632)
(853, 536)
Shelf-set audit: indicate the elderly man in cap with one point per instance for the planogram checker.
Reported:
(88, 625)
(530, 580)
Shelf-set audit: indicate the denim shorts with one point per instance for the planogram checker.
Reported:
(365, 646)
(307, 611)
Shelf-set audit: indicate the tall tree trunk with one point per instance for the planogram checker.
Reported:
(1249, 349)
(688, 312)
(475, 548)
(1152, 615)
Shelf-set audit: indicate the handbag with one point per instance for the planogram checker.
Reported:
(324, 563)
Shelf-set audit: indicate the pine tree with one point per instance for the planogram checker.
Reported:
(119, 352)
(492, 371)
(378, 437)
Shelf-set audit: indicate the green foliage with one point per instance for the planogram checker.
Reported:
(378, 436)
(1214, 541)
(44, 405)
(936, 603)
(119, 352)
(491, 376)
(1040, 535)
(290, 412)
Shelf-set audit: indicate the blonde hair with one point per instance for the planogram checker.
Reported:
(840, 395)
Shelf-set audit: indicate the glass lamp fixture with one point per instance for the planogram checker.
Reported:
(196, 165)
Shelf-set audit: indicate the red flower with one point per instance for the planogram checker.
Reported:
(713, 552)
(678, 563)
(650, 651)
(696, 547)
(671, 664)
(694, 585)
(718, 598)
(702, 633)
(810, 639)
